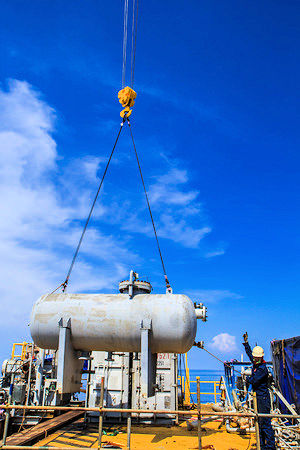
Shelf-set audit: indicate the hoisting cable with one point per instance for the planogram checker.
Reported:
(132, 50)
(127, 95)
(125, 42)
(214, 356)
(133, 39)
(127, 99)
(169, 289)
(65, 283)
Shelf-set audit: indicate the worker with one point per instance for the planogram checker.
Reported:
(259, 382)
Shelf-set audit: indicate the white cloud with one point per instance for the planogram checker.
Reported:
(181, 211)
(213, 253)
(41, 209)
(26, 123)
(224, 342)
(178, 229)
(206, 112)
(167, 189)
(176, 208)
(213, 295)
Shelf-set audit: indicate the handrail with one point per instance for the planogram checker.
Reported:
(204, 381)
(23, 350)
(146, 411)
(185, 384)
(102, 410)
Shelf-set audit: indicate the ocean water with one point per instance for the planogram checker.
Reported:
(205, 375)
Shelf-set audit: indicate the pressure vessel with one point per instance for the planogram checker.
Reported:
(113, 322)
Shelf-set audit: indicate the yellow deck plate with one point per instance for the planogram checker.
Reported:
(146, 437)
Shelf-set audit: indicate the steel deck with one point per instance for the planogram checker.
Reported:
(42, 429)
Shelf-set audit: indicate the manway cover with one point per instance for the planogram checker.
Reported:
(286, 363)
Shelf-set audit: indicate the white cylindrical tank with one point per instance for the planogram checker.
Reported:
(113, 322)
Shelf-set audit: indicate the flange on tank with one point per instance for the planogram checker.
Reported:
(134, 286)
(132, 321)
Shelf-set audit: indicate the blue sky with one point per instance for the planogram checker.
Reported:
(216, 123)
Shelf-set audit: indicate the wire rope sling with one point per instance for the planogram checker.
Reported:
(126, 98)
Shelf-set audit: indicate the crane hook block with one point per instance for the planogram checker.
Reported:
(126, 97)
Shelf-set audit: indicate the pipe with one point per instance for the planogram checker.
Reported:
(7, 412)
(218, 408)
(87, 392)
(101, 413)
(128, 430)
(191, 425)
(284, 401)
(39, 376)
(145, 411)
(28, 387)
(130, 286)
(256, 422)
(5, 431)
(11, 387)
(199, 415)
(230, 429)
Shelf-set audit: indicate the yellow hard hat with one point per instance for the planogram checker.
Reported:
(258, 352)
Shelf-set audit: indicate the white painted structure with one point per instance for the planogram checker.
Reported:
(101, 322)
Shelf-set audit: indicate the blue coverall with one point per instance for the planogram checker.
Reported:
(259, 381)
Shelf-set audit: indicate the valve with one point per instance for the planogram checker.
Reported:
(200, 311)
(127, 98)
(199, 344)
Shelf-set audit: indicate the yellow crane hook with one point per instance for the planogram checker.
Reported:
(127, 98)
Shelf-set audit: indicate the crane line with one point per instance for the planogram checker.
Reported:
(133, 38)
(125, 28)
(65, 283)
(134, 19)
(149, 208)
(125, 114)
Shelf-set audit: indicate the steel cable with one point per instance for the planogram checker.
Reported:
(125, 27)
(65, 283)
(133, 39)
(134, 19)
(223, 362)
(149, 208)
